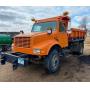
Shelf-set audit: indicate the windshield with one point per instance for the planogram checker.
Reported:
(42, 27)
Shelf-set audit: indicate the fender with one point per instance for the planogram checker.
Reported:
(46, 46)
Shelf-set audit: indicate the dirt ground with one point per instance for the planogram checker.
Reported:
(74, 68)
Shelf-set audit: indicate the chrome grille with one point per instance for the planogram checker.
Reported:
(22, 42)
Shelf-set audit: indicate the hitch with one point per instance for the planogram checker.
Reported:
(15, 65)
(14, 58)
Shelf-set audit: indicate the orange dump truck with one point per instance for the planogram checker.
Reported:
(48, 41)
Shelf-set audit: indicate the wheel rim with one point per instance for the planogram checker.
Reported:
(82, 47)
(55, 62)
(81, 51)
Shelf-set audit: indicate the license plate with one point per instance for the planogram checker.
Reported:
(21, 61)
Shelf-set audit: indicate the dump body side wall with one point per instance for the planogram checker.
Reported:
(76, 34)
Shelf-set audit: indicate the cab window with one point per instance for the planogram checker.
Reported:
(61, 27)
(42, 27)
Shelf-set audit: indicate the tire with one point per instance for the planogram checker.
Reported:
(52, 61)
(78, 49)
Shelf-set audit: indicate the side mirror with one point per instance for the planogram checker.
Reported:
(69, 31)
(49, 30)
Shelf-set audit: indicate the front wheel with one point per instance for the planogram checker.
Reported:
(52, 61)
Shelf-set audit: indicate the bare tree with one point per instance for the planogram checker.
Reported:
(83, 23)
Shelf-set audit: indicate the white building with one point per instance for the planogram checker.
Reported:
(88, 32)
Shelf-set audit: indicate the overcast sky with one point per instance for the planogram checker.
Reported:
(19, 18)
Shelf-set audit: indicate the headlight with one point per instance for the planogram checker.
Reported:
(36, 51)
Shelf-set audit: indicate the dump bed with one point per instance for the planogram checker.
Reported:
(77, 34)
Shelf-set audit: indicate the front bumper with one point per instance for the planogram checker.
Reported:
(13, 58)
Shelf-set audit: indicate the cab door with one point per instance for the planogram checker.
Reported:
(62, 35)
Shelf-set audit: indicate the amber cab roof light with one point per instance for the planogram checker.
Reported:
(33, 19)
(65, 13)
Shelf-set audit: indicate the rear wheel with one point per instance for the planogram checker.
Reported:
(78, 48)
(81, 48)
(52, 61)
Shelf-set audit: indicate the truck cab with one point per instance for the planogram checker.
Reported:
(45, 34)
